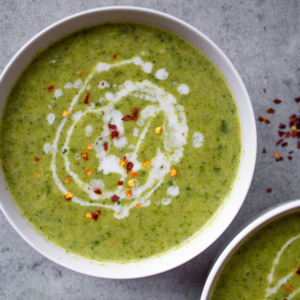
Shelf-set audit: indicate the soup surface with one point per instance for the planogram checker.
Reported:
(120, 142)
(265, 266)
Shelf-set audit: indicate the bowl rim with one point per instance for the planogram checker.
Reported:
(236, 240)
(240, 83)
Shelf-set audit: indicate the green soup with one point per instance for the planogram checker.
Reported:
(120, 142)
(265, 266)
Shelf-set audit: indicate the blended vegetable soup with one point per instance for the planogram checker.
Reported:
(120, 142)
(265, 266)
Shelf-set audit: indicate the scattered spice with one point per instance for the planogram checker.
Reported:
(89, 147)
(279, 159)
(289, 288)
(287, 135)
(268, 122)
(284, 144)
(50, 88)
(121, 183)
(115, 56)
(114, 132)
(298, 146)
(138, 206)
(37, 158)
(282, 126)
(294, 134)
(264, 151)
(128, 193)
(133, 174)
(88, 172)
(158, 130)
(260, 119)
(290, 157)
(105, 146)
(134, 116)
(265, 118)
(146, 164)
(84, 156)
(173, 172)
(269, 190)
(67, 180)
(264, 90)
(36, 174)
(68, 196)
(122, 163)
(271, 111)
(94, 216)
(79, 73)
(281, 133)
(97, 191)
(297, 100)
(291, 152)
(86, 98)
(277, 101)
(65, 113)
(298, 272)
(131, 183)
(129, 166)
(279, 142)
(276, 154)
(294, 128)
(115, 198)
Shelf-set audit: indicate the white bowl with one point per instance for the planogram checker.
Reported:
(219, 222)
(265, 217)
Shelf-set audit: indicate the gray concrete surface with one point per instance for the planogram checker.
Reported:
(262, 39)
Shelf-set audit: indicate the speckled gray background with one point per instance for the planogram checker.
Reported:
(262, 39)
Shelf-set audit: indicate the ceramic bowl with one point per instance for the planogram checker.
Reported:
(250, 227)
(224, 216)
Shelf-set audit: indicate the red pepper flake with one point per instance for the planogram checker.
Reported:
(121, 183)
(297, 100)
(97, 191)
(298, 272)
(264, 151)
(279, 142)
(135, 112)
(284, 144)
(129, 166)
(50, 88)
(115, 56)
(86, 98)
(287, 135)
(281, 133)
(268, 121)
(264, 90)
(96, 215)
(282, 126)
(112, 127)
(290, 157)
(277, 101)
(84, 156)
(115, 198)
(114, 134)
(126, 118)
(37, 158)
(260, 119)
(105, 146)
(294, 133)
(298, 135)
(125, 158)
(269, 190)
(298, 146)
(271, 111)
(291, 152)
(293, 118)
(279, 159)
